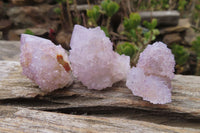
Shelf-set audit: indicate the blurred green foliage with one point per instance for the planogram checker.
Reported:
(160, 4)
(181, 5)
(132, 22)
(109, 7)
(136, 33)
(63, 1)
(57, 10)
(93, 15)
(105, 30)
(154, 5)
(181, 54)
(196, 46)
(127, 49)
(28, 31)
(196, 14)
(152, 32)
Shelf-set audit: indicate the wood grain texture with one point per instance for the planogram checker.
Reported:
(114, 109)
(19, 120)
(17, 90)
(9, 50)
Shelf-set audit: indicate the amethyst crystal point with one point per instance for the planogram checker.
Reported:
(93, 60)
(151, 79)
(45, 63)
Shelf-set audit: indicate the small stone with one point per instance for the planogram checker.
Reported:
(190, 36)
(183, 25)
(172, 38)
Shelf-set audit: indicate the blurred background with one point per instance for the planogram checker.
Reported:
(130, 24)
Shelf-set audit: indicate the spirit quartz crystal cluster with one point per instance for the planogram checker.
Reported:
(93, 60)
(45, 63)
(97, 66)
(151, 78)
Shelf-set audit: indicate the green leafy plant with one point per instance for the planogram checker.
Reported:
(181, 5)
(180, 53)
(134, 31)
(132, 27)
(196, 48)
(109, 8)
(105, 30)
(152, 32)
(28, 31)
(196, 14)
(159, 4)
(57, 10)
(127, 49)
(132, 22)
(93, 15)
(153, 5)
(139, 36)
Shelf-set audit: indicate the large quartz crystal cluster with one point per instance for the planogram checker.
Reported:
(45, 63)
(93, 60)
(151, 78)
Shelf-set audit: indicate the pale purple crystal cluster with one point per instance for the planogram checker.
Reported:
(151, 79)
(93, 60)
(45, 63)
(97, 66)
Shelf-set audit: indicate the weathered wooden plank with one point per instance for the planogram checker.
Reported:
(15, 89)
(11, 77)
(9, 50)
(14, 119)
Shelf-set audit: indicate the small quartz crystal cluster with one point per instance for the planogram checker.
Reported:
(93, 60)
(151, 78)
(45, 63)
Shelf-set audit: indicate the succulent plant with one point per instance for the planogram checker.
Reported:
(127, 49)
(93, 14)
(180, 53)
(109, 7)
(132, 22)
(196, 46)
(28, 31)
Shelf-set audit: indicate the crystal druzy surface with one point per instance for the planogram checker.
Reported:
(150, 88)
(157, 59)
(45, 63)
(151, 79)
(93, 60)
